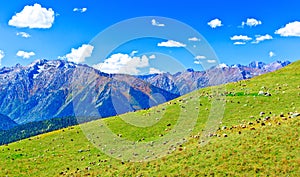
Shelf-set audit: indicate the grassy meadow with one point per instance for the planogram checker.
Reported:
(258, 136)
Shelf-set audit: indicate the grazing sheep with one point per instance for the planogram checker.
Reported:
(261, 114)
(295, 115)
(281, 114)
(261, 93)
(267, 118)
(268, 94)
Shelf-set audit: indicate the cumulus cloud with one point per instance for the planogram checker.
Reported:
(195, 39)
(171, 43)
(240, 37)
(2, 55)
(239, 43)
(197, 62)
(25, 55)
(82, 10)
(79, 55)
(260, 38)
(123, 63)
(215, 23)
(154, 71)
(272, 54)
(200, 57)
(211, 61)
(23, 34)
(251, 22)
(134, 52)
(156, 23)
(152, 56)
(33, 17)
(290, 29)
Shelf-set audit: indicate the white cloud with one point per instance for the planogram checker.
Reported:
(123, 63)
(215, 23)
(82, 10)
(200, 57)
(25, 55)
(239, 43)
(260, 38)
(33, 17)
(171, 43)
(272, 54)
(290, 29)
(79, 55)
(2, 55)
(134, 52)
(240, 37)
(211, 61)
(251, 22)
(156, 23)
(23, 34)
(154, 71)
(194, 39)
(152, 56)
(197, 62)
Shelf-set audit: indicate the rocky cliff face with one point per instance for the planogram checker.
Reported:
(48, 89)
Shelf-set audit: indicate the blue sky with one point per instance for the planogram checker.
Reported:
(238, 32)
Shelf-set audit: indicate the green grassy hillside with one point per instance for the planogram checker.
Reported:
(248, 143)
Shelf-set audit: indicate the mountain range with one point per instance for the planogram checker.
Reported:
(56, 89)
(48, 89)
(184, 82)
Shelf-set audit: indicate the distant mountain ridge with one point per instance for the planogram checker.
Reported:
(48, 89)
(6, 123)
(190, 80)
